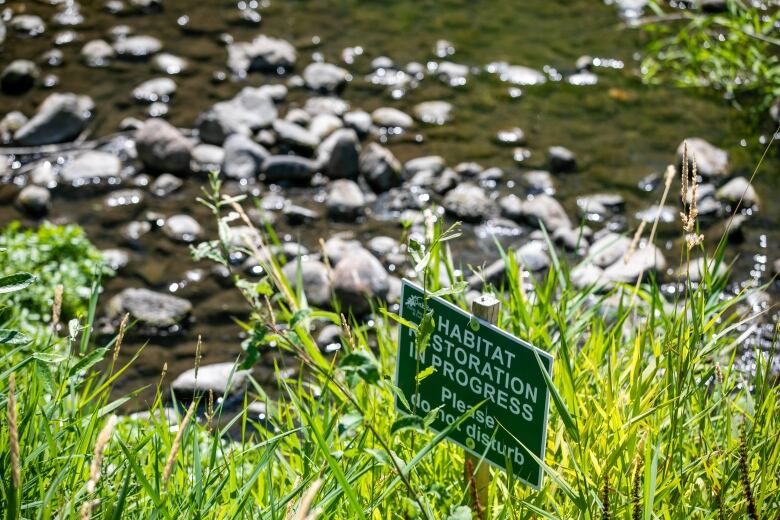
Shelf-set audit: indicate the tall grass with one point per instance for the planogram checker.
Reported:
(650, 418)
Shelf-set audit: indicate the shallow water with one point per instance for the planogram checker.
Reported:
(619, 129)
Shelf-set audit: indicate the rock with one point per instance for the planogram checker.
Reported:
(511, 207)
(19, 77)
(243, 158)
(323, 125)
(490, 175)
(639, 264)
(510, 137)
(206, 158)
(275, 91)
(607, 249)
(91, 166)
(137, 47)
(97, 53)
(389, 117)
(27, 25)
(169, 63)
(571, 239)
(337, 248)
(182, 228)
(329, 338)
(43, 174)
(162, 147)
(664, 214)
(165, 184)
(250, 110)
(150, 308)
(263, 54)
(358, 279)
(315, 277)
(154, 90)
(543, 209)
(296, 137)
(380, 168)
(326, 105)
(34, 200)
(345, 199)
(339, 154)
(433, 112)
(325, 77)
(468, 202)
(298, 116)
(694, 270)
(53, 58)
(738, 188)
(132, 231)
(516, 74)
(453, 74)
(381, 246)
(288, 168)
(429, 163)
(539, 181)
(147, 6)
(61, 117)
(561, 159)
(586, 275)
(711, 161)
(533, 256)
(10, 123)
(359, 121)
(297, 215)
(221, 379)
(468, 169)
(122, 205)
(115, 259)
(600, 204)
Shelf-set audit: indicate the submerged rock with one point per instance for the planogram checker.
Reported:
(27, 25)
(154, 90)
(358, 279)
(97, 53)
(61, 117)
(433, 112)
(19, 77)
(182, 228)
(137, 47)
(34, 200)
(150, 308)
(90, 166)
(264, 54)
(162, 147)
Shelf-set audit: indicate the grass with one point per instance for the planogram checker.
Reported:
(649, 418)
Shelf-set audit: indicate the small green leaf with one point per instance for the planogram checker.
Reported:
(13, 337)
(15, 282)
(361, 363)
(424, 332)
(395, 317)
(425, 373)
(408, 422)
(299, 316)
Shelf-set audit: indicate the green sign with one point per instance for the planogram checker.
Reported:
(475, 362)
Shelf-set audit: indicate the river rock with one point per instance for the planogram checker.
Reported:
(154, 90)
(586, 275)
(19, 77)
(221, 379)
(533, 256)
(516, 74)
(468, 202)
(381, 246)
(359, 121)
(608, 248)
(358, 279)
(115, 258)
(345, 199)
(543, 209)
(264, 54)
(694, 270)
(295, 136)
(97, 53)
(664, 214)
(165, 184)
(638, 264)
(601, 205)
(206, 158)
(561, 159)
(429, 163)
(162, 147)
(91, 166)
(329, 338)
(539, 181)
(297, 215)
(27, 25)
(315, 277)
(433, 112)
(323, 125)
(711, 161)
(511, 207)
(122, 205)
(380, 168)
(571, 239)
(326, 105)
(338, 247)
(453, 74)
(390, 117)
(61, 117)
(150, 308)
(170, 63)
(10, 123)
(339, 154)
(298, 116)
(738, 188)
(137, 47)
(243, 158)
(325, 77)
(34, 200)
(288, 168)
(510, 137)
(182, 228)
(250, 110)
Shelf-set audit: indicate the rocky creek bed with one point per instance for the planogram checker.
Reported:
(345, 121)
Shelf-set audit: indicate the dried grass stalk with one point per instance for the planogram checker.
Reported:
(169, 462)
